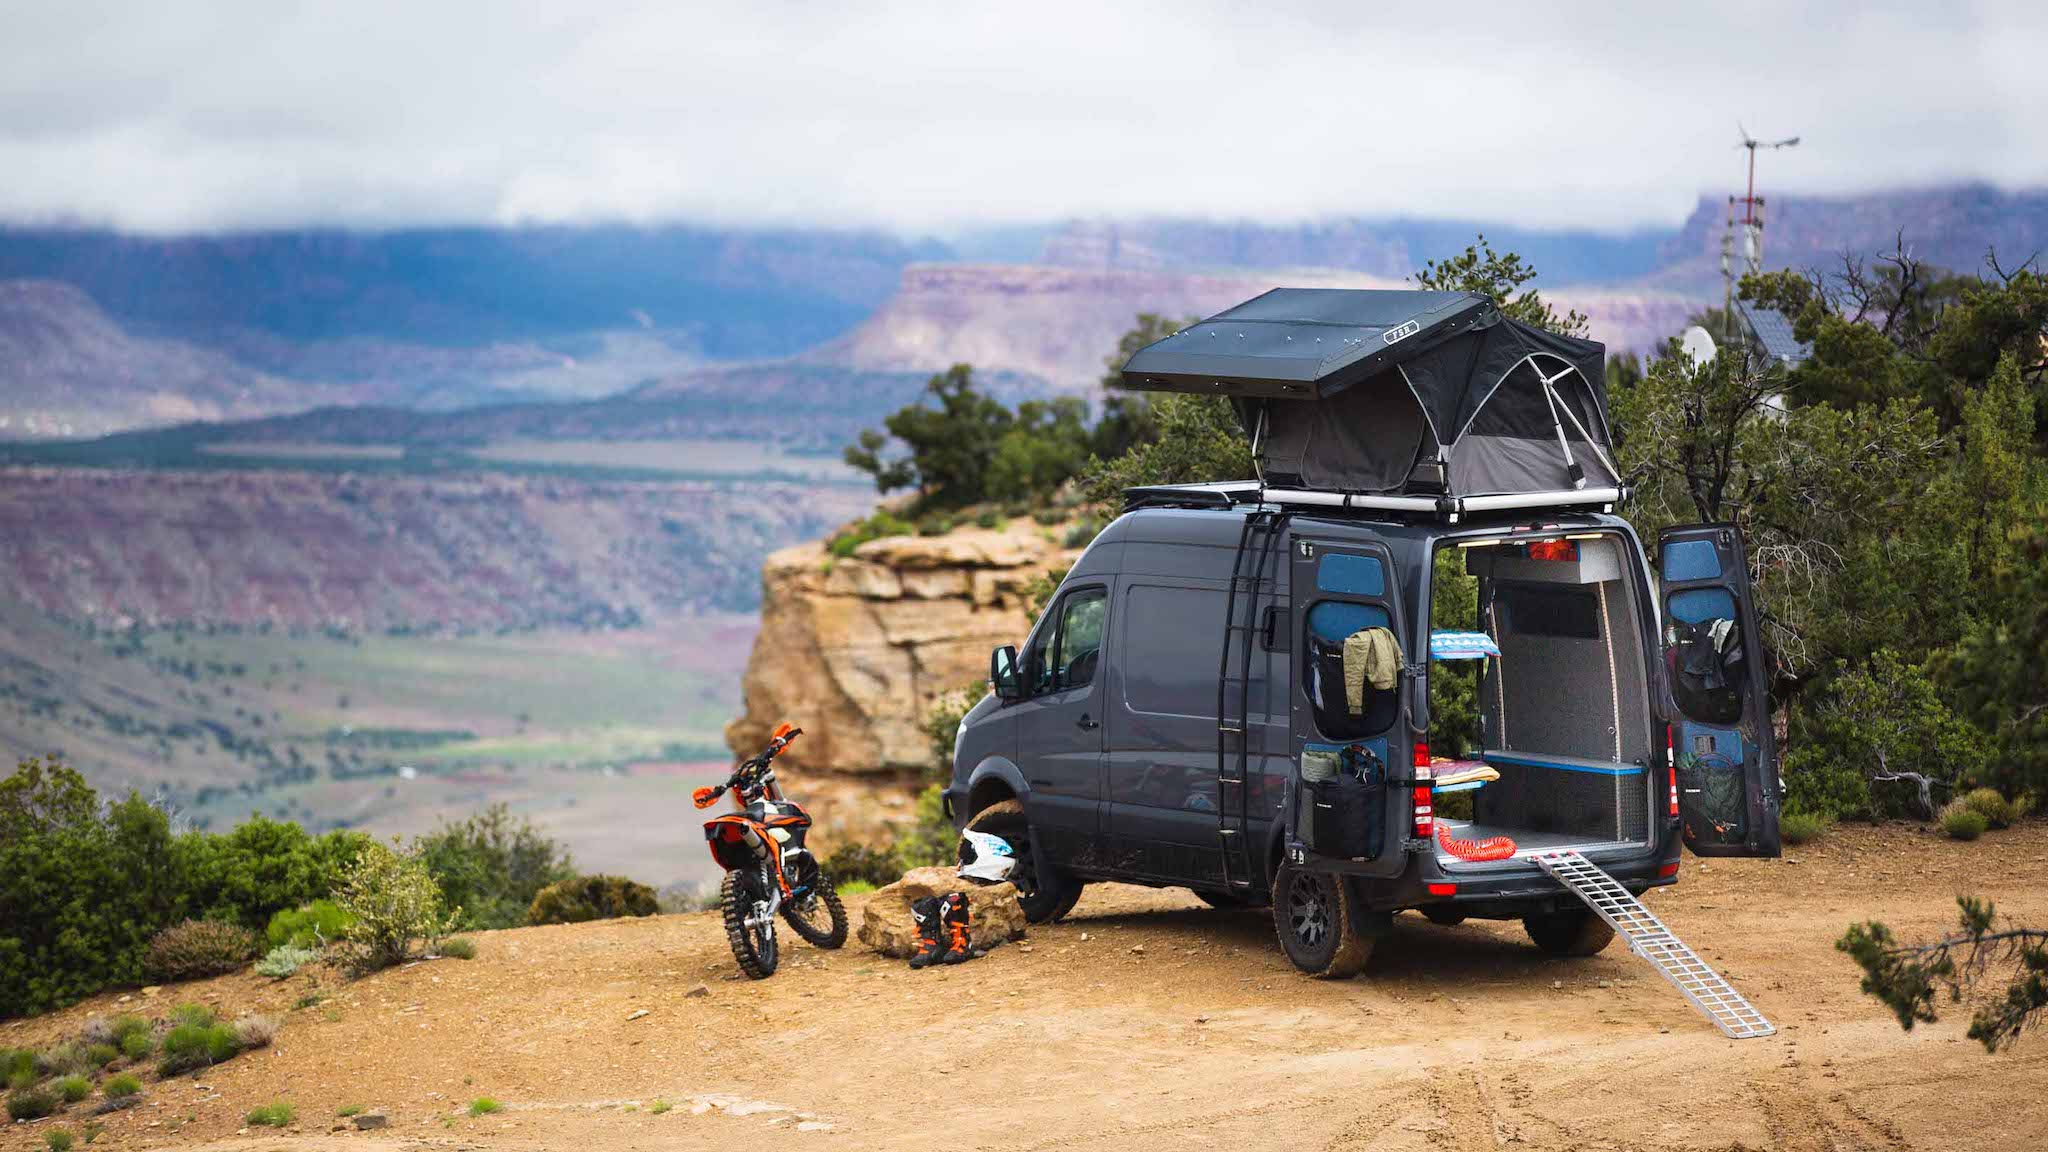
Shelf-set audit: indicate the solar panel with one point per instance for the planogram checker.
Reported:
(1772, 330)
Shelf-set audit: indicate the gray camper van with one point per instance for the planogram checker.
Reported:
(1233, 689)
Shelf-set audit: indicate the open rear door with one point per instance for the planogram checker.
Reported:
(1716, 695)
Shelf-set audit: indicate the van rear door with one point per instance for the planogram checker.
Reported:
(1715, 694)
(1338, 589)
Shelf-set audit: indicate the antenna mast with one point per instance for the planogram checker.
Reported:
(1752, 225)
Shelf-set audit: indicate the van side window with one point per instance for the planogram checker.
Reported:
(1338, 715)
(1065, 655)
(1703, 643)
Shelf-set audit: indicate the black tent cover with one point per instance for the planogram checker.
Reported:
(1355, 390)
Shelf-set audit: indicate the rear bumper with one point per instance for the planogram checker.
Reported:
(1516, 890)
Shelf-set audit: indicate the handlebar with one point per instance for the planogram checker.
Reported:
(751, 773)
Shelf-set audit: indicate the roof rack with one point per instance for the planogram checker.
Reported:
(1450, 509)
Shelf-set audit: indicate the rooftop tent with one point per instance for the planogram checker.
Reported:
(1349, 390)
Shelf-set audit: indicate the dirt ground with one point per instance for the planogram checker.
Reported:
(1145, 1018)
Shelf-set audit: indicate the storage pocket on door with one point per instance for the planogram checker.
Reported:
(1343, 812)
(1712, 797)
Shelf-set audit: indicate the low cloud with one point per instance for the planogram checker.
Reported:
(927, 117)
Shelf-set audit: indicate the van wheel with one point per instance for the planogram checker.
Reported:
(1444, 914)
(1313, 916)
(1569, 932)
(1044, 895)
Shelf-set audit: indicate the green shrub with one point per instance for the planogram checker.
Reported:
(58, 1140)
(395, 903)
(275, 1115)
(855, 888)
(484, 1106)
(1797, 827)
(1998, 812)
(882, 523)
(137, 1045)
(120, 1028)
(659, 1106)
(199, 948)
(284, 960)
(101, 1055)
(260, 868)
(122, 1085)
(17, 1062)
(23, 1077)
(861, 864)
(1963, 822)
(69, 1058)
(31, 1103)
(313, 925)
(197, 1045)
(931, 839)
(934, 524)
(491, 867)
(990, 519)
(592, 898)
(458, 947)
(72, 1088)
(348, 1110)
(189, 1013)
(86, 886)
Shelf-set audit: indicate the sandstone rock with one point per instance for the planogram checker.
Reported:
(886, 925)
(855, 651)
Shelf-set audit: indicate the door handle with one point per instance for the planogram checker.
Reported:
(1086, 724)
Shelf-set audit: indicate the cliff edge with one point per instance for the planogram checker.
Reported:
(856, 649)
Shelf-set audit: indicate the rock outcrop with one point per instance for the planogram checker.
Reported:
(855, 650)
(994, 916)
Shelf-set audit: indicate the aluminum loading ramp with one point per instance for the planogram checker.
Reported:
(1648, 938)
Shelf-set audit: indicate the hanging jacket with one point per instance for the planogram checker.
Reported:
(1371, 655)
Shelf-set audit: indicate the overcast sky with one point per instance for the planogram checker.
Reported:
(179, 114)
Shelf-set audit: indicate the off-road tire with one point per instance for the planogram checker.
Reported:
(1044, 898)
(1315, 918)
(1444, 914)
(734, 903)
(1569, 932)
(826, 897)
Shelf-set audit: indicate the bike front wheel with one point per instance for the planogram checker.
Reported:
(753, 945)
(818, 916)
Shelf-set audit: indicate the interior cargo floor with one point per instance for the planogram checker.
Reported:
(1526, 840)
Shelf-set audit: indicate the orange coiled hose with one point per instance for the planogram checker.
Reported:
(1491, 848)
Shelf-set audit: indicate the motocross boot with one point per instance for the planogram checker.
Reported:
(955, 915)
(928, 914)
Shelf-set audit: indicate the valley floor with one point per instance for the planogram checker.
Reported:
(1147, 1020)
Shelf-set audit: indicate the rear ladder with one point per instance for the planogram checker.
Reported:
(1259, 541)
(1648, 938)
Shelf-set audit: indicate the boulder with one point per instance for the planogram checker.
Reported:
(887, 927)
(855, 650)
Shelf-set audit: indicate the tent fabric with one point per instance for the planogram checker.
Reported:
(1347, 390)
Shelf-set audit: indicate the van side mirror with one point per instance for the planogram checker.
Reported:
(1003, 679)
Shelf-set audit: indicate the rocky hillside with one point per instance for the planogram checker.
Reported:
(380, 552)
(68, 369)
(1050, 324)
(856, 650)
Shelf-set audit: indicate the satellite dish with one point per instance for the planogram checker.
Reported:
(1697, 345)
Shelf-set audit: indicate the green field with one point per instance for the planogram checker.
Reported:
(596, 735)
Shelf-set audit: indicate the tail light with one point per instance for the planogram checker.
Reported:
(1671, 767)
(1553, 550)
(1425, 813)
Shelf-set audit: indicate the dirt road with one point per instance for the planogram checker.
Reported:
(1148, 1020)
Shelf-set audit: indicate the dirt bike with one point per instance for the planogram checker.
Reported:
(767, 868)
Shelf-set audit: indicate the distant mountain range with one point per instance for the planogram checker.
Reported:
(804, 336)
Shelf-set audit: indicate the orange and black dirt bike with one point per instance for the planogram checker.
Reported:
(767, 868)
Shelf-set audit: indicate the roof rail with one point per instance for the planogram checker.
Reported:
(1229, 494)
